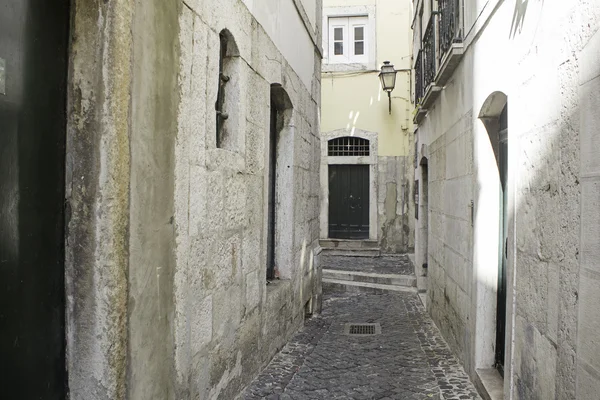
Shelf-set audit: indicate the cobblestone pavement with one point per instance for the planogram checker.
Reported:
(408, 360)
(396, 264)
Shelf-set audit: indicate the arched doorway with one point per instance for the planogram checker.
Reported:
(494, 115)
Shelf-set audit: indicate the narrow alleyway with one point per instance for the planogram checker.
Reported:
(407, 359)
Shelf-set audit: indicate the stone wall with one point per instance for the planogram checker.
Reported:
(167, 234)
(450, 230)
(514, 49)
(588, 318)
(395, 207)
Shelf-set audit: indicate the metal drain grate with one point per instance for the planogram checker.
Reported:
(362, 330)
(355, 329)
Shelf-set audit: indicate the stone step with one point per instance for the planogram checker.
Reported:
(369, 277)
(351, 252)
(337, 285)
(348, 244)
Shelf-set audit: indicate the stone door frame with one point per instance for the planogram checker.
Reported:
(371, 160)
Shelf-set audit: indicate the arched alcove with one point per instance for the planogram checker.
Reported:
(491, 229)
(228, 130)
(492, 113)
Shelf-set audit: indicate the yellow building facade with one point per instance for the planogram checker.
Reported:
(358, 36)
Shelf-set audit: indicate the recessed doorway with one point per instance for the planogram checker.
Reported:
(349, 201)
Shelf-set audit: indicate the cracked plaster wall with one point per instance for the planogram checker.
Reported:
(395, 208)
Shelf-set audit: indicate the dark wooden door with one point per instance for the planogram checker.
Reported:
(33, 73)
(503, 243)
(349, 201)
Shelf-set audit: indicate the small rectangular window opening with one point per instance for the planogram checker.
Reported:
(221, 115)
(348, 146)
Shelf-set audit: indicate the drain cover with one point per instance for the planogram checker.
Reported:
(355, 329)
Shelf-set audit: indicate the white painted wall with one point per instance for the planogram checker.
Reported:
(544, 57)
(284, 25)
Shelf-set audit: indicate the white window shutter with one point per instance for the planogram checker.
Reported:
(339, 41)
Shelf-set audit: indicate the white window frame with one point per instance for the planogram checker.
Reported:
(338, 23)
(349, 17)
(358, 22)
(348, 26)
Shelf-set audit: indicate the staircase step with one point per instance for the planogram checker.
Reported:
(369, 277)
(337, 285)
(348, 244)
(363, 252)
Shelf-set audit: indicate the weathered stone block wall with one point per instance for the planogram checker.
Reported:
(550, 208)
(450, 231)
(395, 206)
(588, 322)
(122, 117)
(166, 254)
(229, 323)
(550, 82)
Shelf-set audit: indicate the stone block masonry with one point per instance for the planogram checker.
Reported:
(221, 207)
(168, 230)
(513, 197)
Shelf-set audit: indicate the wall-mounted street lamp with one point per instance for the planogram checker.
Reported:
(388, 80)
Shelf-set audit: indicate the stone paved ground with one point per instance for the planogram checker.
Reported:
(408, 360)
(390, 264)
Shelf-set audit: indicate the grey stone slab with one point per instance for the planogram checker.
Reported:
(390, 264)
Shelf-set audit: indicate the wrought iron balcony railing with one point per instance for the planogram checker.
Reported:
(419, 78)
(429, 54)
(450, 31)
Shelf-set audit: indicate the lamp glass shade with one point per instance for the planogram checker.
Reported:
(387, 76)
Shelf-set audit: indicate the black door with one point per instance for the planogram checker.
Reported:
(349, 201)
(33, 71)
(503, 243)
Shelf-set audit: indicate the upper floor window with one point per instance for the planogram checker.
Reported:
(348, 40)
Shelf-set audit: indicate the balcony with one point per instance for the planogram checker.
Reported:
(441, 51)
(451, 39)
(430, 64)
(419, 78)
(419, 92)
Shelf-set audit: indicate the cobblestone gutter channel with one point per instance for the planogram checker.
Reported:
(408, 360)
